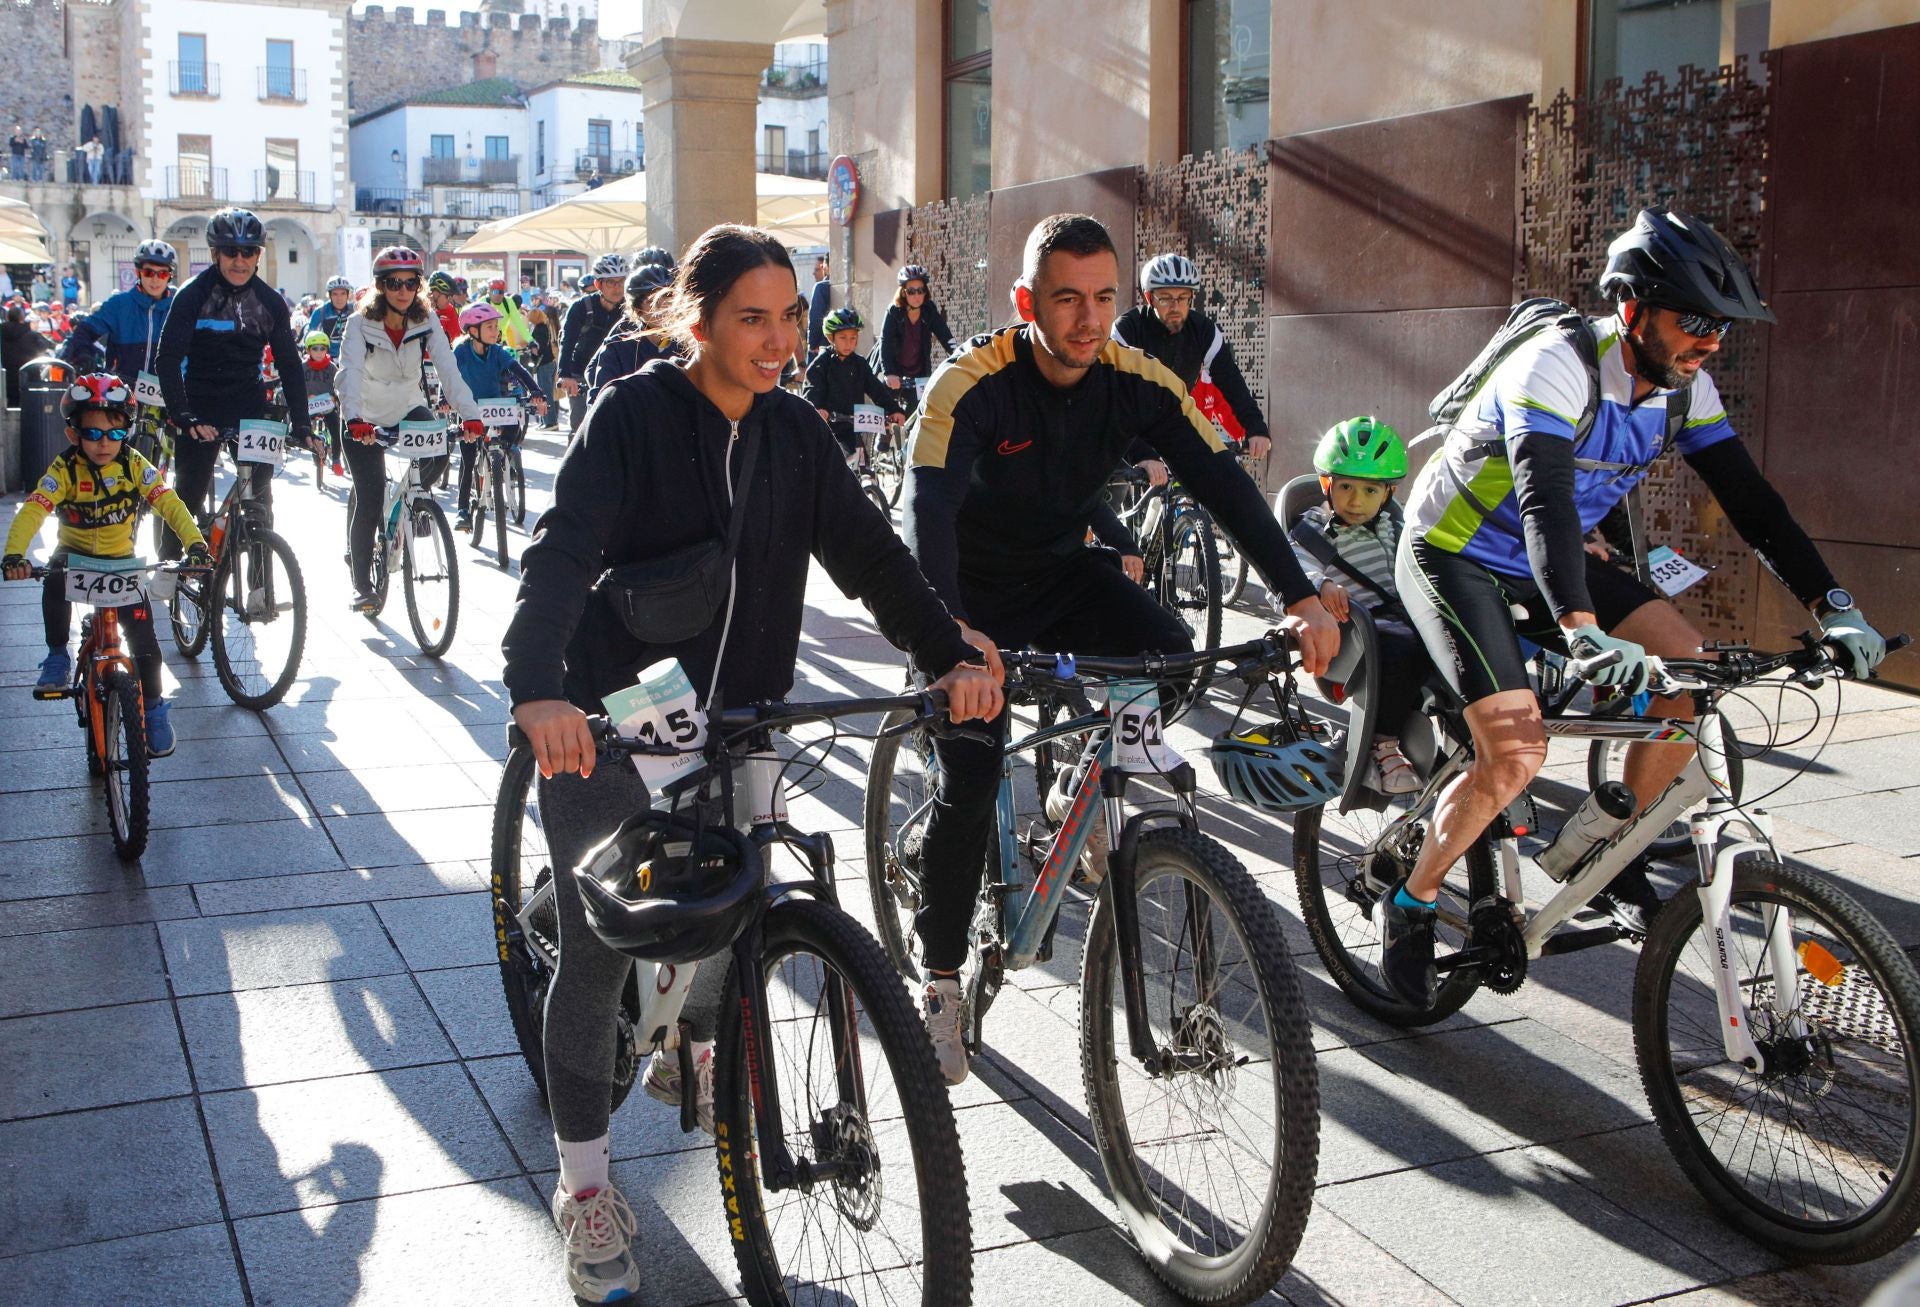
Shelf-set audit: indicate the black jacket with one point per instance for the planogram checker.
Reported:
(836, 384)
(587, 322)
(1185, 352)
(1007, 471)
(645, 477)
(220, 332)
(894, 326)
(623, 353)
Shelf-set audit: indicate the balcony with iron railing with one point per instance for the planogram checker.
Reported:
(283, 186)
(283, 85)
(193, 78)
(195, 181)
(795, 79)
(473, 203)
(449, 170)
(610, 164)
(796, 163)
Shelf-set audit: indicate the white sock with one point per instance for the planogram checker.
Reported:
(583, 1166)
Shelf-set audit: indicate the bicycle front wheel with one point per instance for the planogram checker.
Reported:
(529, 950)
(258, 612)
(861, 1100)
(1233, 569)
(432, 576)
(1210, 1155)
(187, 612)
(519, 496)
(1188, 583)
(497, 483)
(1814, 1155)
(124, 762)
(899, 800)
(889, 471)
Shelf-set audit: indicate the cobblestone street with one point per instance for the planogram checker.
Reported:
(270, 1062)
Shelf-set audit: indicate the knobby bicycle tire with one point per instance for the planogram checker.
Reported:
(433, 635)
(125, 732)
(1336, 907)
(1863, 1115)
(928, 1158)
(1233, 1270)
(526, 971)
(257, 538)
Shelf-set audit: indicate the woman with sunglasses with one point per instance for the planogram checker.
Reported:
(912, 324)
(127, 326)
(208, 363)
(382, 353)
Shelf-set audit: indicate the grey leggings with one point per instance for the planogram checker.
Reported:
(585, 995)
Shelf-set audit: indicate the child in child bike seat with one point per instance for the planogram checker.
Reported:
(97, 487)
(1360, 462)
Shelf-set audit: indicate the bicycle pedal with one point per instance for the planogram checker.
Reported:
(46, 695)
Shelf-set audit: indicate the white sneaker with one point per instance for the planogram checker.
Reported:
(1093, 856)
(663, 1081)
(945, 1014)
(257, 602)
(1392, 773)
(597, 1226)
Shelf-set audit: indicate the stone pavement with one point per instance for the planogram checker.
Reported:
(270, 1063)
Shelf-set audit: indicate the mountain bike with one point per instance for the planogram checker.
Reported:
(1194, 1044)
(1182, 556)
(489, 483)
(839, 1159)
(105, 689)
(1775, 1021)
(885, 447)
(254, 603)
(414, 537)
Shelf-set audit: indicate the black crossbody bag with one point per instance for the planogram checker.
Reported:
(675, 597)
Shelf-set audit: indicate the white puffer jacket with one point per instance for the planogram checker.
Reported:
(380, 383)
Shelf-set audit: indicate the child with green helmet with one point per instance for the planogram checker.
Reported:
(323, 404)
(1346, 546)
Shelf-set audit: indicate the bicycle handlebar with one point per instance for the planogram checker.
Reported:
(1254, 656)
(1734, 665)
(177, 566)
(777, 714)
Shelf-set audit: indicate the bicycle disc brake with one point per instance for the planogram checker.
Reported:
(842, 1137)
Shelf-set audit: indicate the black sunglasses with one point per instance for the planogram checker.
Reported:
(1701, 324)
(919, 291)
(400, 283)
(237, 251)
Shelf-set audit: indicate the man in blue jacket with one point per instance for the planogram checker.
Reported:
(127, 326)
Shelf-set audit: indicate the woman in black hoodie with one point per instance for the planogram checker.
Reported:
(653, 470)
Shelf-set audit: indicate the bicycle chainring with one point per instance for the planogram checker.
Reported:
(1494, 929)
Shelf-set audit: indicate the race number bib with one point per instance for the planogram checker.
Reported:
(500, 412)
(661, 709)
(320, 404)
(868, 419)
(263, 442)
(1671, 572)
(1137, 742)
(146, 390)
(105, 582)
(419, 440)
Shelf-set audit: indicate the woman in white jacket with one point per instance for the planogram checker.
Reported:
(382, 352)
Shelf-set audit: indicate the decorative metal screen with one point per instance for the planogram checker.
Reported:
(1698, 143)
(1213, 208)
(949, 239)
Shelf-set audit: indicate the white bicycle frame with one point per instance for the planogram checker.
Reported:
(408, 488)
(664, 986)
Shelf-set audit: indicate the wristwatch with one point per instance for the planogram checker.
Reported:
(1833, 601)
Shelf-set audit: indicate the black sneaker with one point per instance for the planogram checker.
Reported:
(1631, 900)
(1406, 948)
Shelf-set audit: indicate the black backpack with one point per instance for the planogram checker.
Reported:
(1524, 321)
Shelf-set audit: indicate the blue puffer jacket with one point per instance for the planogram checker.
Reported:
(130, 322)
(487, 374)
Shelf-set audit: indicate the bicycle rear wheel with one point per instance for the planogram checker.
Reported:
(124, 762)
(899, 796)
(259, 618)
(864, 1099)
(1211, 1160)
(1341, 865)
(520, 868)
(432, 575)
(1814, 1156)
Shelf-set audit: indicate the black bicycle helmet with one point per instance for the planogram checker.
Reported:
(441, 283)
(1272, 769)
(1676, 261)
(655, 255)
(666, 889)
(648, 278)
(231, 226)
(847, 319)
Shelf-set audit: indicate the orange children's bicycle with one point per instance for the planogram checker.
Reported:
(106, 689)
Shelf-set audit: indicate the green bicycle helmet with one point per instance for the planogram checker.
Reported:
(1274, 769)
(317, 340)
(842, 320)
(1364, 448)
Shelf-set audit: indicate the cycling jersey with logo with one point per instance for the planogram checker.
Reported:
(220, 333)
(1541, 390)
(98, 507)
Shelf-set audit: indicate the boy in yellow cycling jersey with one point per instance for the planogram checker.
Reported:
(97, 487)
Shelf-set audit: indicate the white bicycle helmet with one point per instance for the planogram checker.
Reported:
(610, 265)
(1169, 272)
(155, 252)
